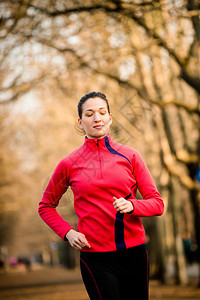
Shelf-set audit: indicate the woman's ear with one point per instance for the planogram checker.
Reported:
(80, 123)
(110, 118)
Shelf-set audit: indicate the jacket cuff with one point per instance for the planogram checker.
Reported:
(130, 212)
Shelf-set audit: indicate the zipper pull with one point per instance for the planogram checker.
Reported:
(98, 143)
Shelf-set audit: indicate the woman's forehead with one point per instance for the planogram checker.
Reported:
(94, 103)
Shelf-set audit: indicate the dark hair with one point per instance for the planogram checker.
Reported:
(88, 96)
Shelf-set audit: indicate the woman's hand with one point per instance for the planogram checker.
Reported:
(122, 205)
(77, 240)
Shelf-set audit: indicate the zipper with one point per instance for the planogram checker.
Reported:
(99, 157)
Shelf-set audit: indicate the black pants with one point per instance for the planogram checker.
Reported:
(118, 275)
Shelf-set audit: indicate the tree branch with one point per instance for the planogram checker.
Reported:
(145, 96)
(114, 7)
(21, 90)
(169, 160)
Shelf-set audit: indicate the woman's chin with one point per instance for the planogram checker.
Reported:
(98, 135)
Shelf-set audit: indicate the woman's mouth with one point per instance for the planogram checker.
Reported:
(98, 126)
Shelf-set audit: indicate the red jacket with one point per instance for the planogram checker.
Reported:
(97, 171)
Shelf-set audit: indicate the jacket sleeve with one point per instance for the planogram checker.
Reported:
(56, 187)
(152, 203)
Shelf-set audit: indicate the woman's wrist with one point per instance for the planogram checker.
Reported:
(69, 233)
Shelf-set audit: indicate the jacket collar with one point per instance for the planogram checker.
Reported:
(93, 143)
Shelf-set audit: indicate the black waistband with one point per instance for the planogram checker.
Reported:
(117, 253)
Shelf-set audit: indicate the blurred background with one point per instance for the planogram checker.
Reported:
(145, 56)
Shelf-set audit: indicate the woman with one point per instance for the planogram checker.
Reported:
(104, 177)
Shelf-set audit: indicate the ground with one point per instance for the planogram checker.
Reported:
(63, 284)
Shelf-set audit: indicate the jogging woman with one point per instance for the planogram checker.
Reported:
(104, 177)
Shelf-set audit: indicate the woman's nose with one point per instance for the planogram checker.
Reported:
(97, 117)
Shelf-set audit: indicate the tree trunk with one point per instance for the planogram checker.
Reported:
(180, 261)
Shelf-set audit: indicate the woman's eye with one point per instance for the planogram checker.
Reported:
(103, 113)
(88, 115)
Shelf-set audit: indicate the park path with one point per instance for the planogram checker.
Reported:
(62, 284)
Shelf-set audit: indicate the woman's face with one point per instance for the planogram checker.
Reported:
(95, 119)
